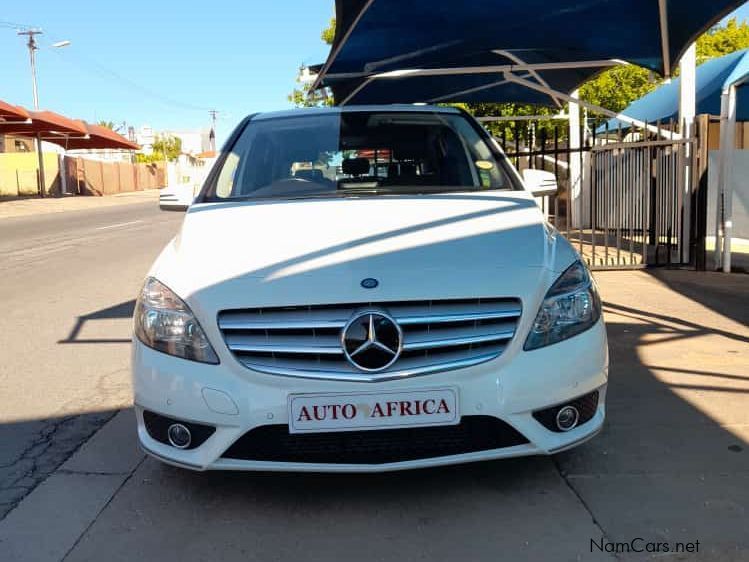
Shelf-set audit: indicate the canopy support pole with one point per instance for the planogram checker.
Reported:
(491, 69)
(724, 207)
(339, 46)
(607, 112)
(665, 47)
(717, 250)
(687, 113)
(40, 155)
(574, 197)
(536, 76)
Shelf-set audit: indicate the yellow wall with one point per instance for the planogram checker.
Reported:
(18, 173)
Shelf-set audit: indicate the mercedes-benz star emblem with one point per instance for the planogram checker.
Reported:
(372, 340)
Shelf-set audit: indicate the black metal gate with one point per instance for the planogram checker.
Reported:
(635, 203)
(629, 209)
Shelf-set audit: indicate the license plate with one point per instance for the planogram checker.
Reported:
(310, 413)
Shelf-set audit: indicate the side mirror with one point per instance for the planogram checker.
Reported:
(540, 182)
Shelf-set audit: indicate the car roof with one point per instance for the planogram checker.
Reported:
(397, 108)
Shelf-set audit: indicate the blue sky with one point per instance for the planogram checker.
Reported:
(164, 63)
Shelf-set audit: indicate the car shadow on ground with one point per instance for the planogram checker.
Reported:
(124, 310)
(724, 294)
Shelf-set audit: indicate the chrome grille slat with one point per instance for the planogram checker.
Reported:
(448, 318)
(284, 344)
(284, 319)
(432, 342)
(276, 348)
(343, 371)
(264, 325)
(304, 341)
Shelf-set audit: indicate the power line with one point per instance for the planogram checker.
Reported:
(14, 25)
(94, 67)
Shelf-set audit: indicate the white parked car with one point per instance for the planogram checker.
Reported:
(366, 289)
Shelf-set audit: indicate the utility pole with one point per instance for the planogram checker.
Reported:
(32, 57)
(32, 33)
(214, 114)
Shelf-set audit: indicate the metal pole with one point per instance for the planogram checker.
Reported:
(728, 179)
(687, 113)
(574, 195)
(717, 253)
(32, 59)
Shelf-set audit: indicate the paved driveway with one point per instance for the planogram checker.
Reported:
(671, 466)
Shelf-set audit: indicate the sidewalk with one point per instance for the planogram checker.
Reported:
(25, 207)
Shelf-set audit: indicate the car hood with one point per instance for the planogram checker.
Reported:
(291, 252)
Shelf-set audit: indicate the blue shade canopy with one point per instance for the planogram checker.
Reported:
(712, 78)
(384, 35)
(467, 87)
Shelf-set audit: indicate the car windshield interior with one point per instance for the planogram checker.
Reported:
(372, 153)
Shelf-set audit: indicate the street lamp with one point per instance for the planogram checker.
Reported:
(33, 47)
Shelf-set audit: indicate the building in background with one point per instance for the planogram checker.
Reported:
(195, 141)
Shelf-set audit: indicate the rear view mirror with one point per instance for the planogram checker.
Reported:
(540, 182)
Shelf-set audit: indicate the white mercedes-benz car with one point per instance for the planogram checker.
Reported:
(366, 289)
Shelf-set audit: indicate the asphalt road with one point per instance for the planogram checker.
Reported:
(67, 284)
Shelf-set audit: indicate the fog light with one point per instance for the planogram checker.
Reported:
(567, 418)
(179, 436)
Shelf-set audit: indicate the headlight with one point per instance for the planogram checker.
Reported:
(571, 306)
(165, 323)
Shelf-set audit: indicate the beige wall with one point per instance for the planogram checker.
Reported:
(18, 173)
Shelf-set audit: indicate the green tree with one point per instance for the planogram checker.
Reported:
(722, 40)
(328, 34)
(168, 144)
(618, 87)
(107, 124)
(300, 96)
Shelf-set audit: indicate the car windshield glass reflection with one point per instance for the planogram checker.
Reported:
(358, 153)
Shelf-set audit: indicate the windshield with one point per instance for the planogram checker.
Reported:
(349, 153)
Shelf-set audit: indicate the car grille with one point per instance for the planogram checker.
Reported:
(274, 443)
(306, 340)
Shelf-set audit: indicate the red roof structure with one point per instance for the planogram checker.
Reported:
(45, 123)
(97, 137)
(63, 131)
(71, 134)
(10, 112)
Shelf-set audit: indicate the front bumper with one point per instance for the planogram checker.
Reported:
(235, 400)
